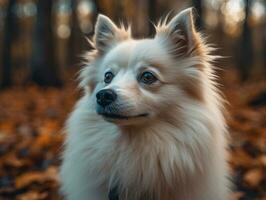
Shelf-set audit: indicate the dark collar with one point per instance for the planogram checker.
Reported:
(113, 194)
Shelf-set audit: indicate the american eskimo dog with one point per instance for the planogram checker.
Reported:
(150, 123)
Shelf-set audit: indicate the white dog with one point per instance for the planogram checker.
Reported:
(150, 123)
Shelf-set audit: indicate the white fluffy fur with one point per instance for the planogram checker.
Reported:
(179, 153)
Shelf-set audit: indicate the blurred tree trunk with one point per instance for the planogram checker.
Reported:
(8, 38)
(152, 15)
(77, 41)
(198, 6)
(43, 69)
(264, 46)
(108, 7)
(75, 37)
(246, 58)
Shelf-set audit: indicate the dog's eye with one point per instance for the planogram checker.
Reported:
(147, 78)
(108, 77)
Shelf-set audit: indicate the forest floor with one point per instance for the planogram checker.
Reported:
(31, 121)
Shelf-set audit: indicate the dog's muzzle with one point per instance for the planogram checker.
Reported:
(108, 107)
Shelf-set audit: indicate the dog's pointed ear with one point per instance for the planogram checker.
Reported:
(182, 33)
(107, 33)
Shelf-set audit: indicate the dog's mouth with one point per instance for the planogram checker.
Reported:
(122, 117)
(113, 115)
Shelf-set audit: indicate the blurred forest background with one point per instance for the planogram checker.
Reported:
(40, 46)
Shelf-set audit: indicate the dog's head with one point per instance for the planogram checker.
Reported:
(135, 81)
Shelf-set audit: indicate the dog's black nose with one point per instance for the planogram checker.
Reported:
(106, 97)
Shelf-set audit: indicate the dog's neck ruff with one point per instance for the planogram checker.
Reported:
(152, 159)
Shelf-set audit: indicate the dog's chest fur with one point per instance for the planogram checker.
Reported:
(155, 163)
(141, 168)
